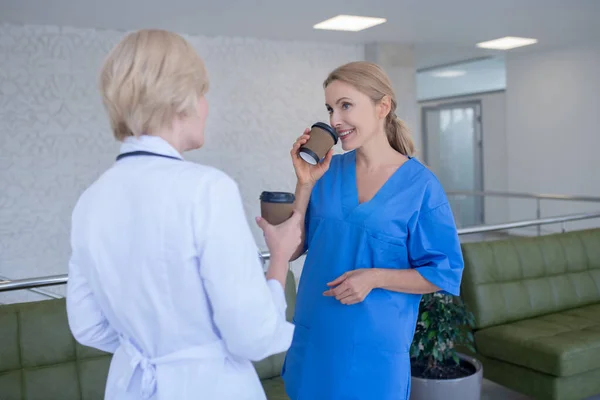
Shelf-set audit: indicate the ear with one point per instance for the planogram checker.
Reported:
(385, 106)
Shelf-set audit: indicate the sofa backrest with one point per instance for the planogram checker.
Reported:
(517, 278)
(39, 358)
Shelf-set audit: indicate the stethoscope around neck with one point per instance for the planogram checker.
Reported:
(140, 153)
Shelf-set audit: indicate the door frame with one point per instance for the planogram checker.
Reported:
(476, 104)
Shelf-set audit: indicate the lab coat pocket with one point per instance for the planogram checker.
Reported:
(294, 363)
(386, 253)
(378, 373)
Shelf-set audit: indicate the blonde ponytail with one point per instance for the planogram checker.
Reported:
(399, 135)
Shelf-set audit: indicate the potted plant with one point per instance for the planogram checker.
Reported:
(438, 370)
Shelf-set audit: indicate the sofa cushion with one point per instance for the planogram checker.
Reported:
(559, 344)
(509, 280)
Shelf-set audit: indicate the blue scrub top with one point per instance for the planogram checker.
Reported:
(361, 351)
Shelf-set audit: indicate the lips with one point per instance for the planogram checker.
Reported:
(344, 133)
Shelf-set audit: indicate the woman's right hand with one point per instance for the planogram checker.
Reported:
(306, 173)
(283, 239)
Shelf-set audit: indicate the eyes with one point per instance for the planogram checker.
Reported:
(344, 106)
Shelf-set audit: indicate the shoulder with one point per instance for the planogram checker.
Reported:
(432, 193)
(210, 180)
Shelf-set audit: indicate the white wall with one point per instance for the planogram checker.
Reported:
(553, 129)
(495, 165)
(480, 76)
(55, 140)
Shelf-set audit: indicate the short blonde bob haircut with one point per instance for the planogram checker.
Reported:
(148, 79)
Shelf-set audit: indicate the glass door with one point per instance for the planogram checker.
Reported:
(453, 150)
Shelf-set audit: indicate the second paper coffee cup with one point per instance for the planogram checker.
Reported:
(276, 207)
(322, 138)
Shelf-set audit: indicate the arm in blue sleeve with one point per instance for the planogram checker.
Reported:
(434, 249)
(306, 228)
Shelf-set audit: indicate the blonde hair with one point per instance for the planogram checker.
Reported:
(149, 78)
(372, 80)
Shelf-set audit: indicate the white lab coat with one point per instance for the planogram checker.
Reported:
(166, 275)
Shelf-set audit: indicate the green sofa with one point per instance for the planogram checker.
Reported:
(536, 302)
(40, 360)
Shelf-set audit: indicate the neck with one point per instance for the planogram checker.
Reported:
(378, 152)
(171, 137)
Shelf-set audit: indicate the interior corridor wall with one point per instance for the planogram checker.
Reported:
(55, 139)
(553, 130)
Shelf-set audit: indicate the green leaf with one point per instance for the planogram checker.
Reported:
(444, 321)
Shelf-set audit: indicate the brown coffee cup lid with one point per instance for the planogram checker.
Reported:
(327, 129)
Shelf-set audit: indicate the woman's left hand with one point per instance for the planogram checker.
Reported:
(352, 287)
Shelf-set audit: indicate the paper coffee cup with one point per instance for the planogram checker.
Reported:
(276, 207)
(322, 138)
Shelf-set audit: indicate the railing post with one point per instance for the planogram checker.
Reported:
(538, 214)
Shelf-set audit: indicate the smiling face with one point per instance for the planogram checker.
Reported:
(354, 116)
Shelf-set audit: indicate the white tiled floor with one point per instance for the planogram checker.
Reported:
(492, 391)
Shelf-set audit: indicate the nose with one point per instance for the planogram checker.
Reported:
(335, 121)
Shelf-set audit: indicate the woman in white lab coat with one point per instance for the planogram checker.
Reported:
(164, 271)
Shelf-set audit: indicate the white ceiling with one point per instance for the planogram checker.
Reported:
(441, 30)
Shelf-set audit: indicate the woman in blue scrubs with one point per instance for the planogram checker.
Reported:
(379, 233)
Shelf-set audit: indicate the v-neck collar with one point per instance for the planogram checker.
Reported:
(351, 207)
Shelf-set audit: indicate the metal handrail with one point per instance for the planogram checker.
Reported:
(62, 279)
(4, 279)
(538, 197)
(593, 199)
(527, 223)
(18, 284)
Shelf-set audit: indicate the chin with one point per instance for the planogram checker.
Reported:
(349, 145)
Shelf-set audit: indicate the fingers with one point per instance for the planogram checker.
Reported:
(304, 136)
(327, 159)
(300, 142)
(339, 292)
(351, 300)
(344, 295)
(263, 224)
(338, 280)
